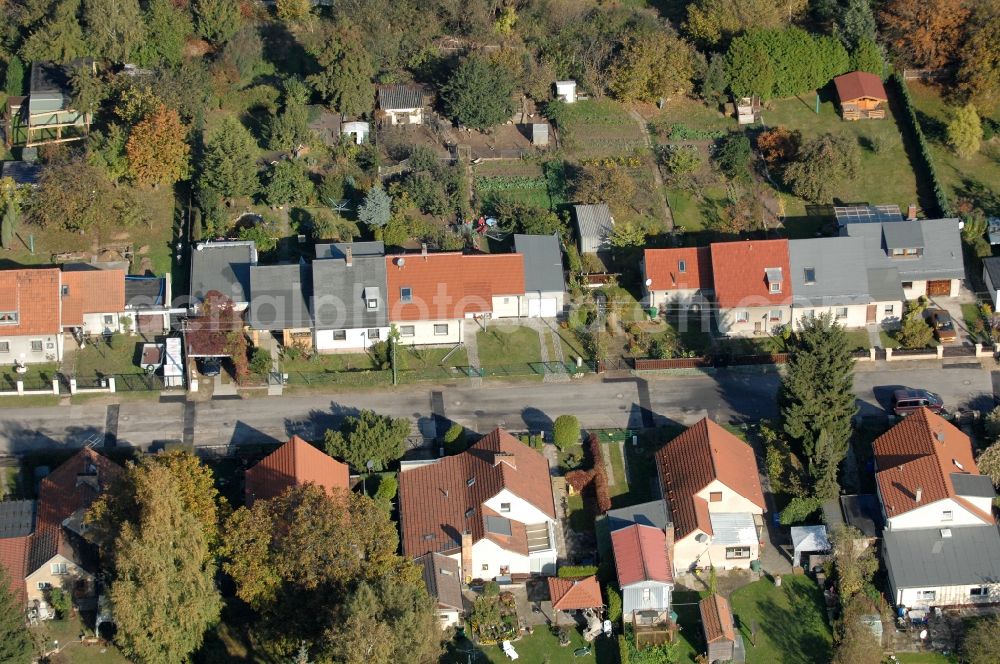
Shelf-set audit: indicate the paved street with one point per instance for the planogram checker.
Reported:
(728, 395)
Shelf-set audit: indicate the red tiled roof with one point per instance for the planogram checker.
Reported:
(439, 501)
(91, 292)
(641, 555)
(738, 271)
(445, 286)
(572, 594)
(858, 84)
(703, 453)
(923, 451)
(663, 267)
(716, 619)
(34, 295)
(294, 463)
(14, 559)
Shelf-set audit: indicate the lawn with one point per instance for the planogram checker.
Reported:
(117, 357)
(38, 376)
(695, 212)
(67, 632)
(508, 344)
(540, 646)
(328, 363)
(976, 178)
(925, 658)
(971, 315)
(858, 339)
(790, 620)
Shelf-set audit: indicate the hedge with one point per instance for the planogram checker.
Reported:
(926, 160)
(600, 475)
(576, 571)
(624, 652)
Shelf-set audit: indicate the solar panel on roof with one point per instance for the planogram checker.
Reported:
(867, 214)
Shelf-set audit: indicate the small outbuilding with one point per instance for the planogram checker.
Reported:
(357, 130)
(401, 104)
(540, 134)
(807, 540)
(862, 96)
(566, 91)
(991, 277)
(723, 643)
(572, 595)
(594, 224)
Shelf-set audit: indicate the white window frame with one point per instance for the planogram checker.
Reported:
(948, 515)
(372, 303)
(647, 594)
(8, 318)
(927, 595)
(486, 567)
(340, 335)
(407, 331)
(374, 333)
(109, 319)
(979, 591)
(889, 310)
(736, 552)
(840, 312)
(776, 287)
(775, 319)
(505, 507)
(743, 316)
(437, 329)
(4, 346)
(682, 266)
(37, 345)
(808, 314)
(405, 294)
(58, 569)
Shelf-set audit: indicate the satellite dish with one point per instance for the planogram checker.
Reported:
(649, 282)
(701, 538)
(400, 262)
(150, 368)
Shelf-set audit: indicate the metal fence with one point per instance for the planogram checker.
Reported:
(138, 382)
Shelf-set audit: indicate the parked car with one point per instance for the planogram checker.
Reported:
(210, 366)
(944, 326)
(905, 402)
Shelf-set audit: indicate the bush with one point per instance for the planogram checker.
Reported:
(799, 509)
(623, 650)
(566, 431)
(579, 479)
(454, 439)
(576, 571)
(260, 362)
(991, 424)
(600, 475)
(387, 488)
(733, 156)
(614, 604)
(60, 601)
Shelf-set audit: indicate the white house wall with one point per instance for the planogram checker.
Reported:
(677, 297)
(931, 516)
(489, 553)
(520, 510)
(729, 325)
(94, 323)
(946, 596)
(919, 288)
(19, 348)
(423, 332)
(508, 306)
(688, 553)
(356, 339)
(732, 502)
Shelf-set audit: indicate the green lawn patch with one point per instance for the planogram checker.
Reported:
(791, 621)
(613, 451)
(971, 316)
(925, 658)
(694, 213)
(857, 339)
(328, 363)
(508, 344)
(692, 638)
(37, 377)
(887, 339)
(593, 128)
(67, 633)
(540, 646)
(119, 356)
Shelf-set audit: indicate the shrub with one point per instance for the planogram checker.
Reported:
(566, 431)
(600, 475)
(624, 652)
(799, 509)
(454, 439)
(991, 424)
(576, 571)
(733, 156)
(60, 602)
(260, 362)
(579, 479)
(387, 488)
(614, 604)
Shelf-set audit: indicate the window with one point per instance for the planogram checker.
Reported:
(906, 285)
(406, 330)
(810, 275)
(443, 616)
(374, 333)
(737, 552)
(440, 329)
(775, 314)
(406, 294)
(65, 290)
(715, 497)
(372, 303)
(979, 591)
(8, 318)
(340, 335)
(776, 287)
(486, 567)
(647, 595)
(889, 310)
(906, 251)
(36, 346)
(109, 320)
(809, 314)
(504, 507)
(4, 346)
(841, 312)
(682, 266)
(44, 585)
(742, 316)
(57, 568)
(506, 300)
(928, 595)
(947, 515)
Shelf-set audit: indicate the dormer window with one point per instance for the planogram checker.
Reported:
(776, 287)
(910, 252)
(682, 266)
(774, 279)
(809, 275)
(372, 304)
(8, 318)
(372, 297)
(65, 290)
(406, 294)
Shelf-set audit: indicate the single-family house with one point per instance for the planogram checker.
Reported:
(490, 508)
(444, 584)
(23, 173)
(926, 254)
(223, 267)
(148, 300)
(544, 279)
(430, 295)
(349, 303)
(679, 278)
(723, 641)
(711, 484)
(991, 277)
(642, 564)
(830, 276)
(63, 553)
(401, 104)
(594, 225)
(293, 464)
(753, 288)
(941, 546)
(30, 316)
(861, 95)
(93, 300)
(17, 523)
(279, 303)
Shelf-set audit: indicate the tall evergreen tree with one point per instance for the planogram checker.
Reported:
(229, 164)
(478, 93)
(817, 399)
(346, 71)
(217, 20)
(168, 27)
(59, 38)
(855, 21)
(163, 592)
(15, 641)
(115, 28)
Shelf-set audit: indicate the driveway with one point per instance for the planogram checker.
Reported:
(953, 305)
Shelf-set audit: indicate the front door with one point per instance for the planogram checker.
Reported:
(756, 327)
(872, 312)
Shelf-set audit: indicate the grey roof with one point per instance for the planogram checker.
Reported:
(941, 242)
(145, 292)
(992, 265)
(923, 558)
(280, 297)
(398, 97)
(884, 285)
(339, 293)
(902, 235)
(594, 224)
(17, 518)
(810, 538)
(441, 576)
(22, 172)
(732, 528)
(863, 512)
(222, 267)
(977, 486)
(339, 249)
(543, 266)
(839, 275)
(653, 513)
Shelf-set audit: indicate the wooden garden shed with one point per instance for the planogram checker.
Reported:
(862, 96)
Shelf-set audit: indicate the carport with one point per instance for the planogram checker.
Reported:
(808, 540)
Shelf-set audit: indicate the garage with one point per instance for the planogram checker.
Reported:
(545, 307)
(940, 287)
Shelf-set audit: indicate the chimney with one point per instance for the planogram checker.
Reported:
(467, 556)
(911, 212)
(505, 457)
(349, 256)
(423, 250)
(920, 494)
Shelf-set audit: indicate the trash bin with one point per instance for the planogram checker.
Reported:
(755, 565)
